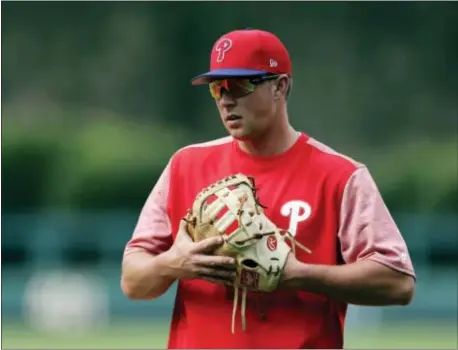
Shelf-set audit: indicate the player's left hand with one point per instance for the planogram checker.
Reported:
(289, 272)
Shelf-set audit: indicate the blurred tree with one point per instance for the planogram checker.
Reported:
(97, 95)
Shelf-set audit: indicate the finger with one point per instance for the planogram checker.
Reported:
(182, 227)
(208, 245)
(214, 261)
(217, 273)
(219, 280)
(183, 231)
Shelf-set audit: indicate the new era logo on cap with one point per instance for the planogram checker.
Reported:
(246, 53)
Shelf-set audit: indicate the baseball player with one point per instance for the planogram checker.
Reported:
(327, 202)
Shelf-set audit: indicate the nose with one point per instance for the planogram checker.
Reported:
(227, 100)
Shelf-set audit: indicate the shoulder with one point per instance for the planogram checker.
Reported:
(205, 147)
(336, 170)
(329, 161)
(342, 176)
(198, 152)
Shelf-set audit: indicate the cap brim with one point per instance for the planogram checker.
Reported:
(225, 74)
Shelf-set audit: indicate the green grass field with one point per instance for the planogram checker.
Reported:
(154, 336)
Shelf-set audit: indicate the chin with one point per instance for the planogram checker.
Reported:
(239, 135)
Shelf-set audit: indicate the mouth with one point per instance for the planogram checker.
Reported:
(232, 117)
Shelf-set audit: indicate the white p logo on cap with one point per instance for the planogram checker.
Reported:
(223, 46)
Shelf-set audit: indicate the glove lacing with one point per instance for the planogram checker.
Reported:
(294, 243)
(287, 235)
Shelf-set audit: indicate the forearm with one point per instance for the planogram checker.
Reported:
(362, 283)
(145, 276)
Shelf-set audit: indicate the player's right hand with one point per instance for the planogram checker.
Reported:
(189, 260)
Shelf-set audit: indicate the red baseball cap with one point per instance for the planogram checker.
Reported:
(246, 53)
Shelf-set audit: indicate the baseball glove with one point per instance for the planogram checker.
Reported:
(230, 208)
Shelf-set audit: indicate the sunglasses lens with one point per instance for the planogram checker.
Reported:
(215, 89)
(235, 87)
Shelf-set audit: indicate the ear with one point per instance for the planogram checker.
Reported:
(281, 86)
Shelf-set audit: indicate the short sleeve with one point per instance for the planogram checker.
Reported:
(367, 229)
(153, 229)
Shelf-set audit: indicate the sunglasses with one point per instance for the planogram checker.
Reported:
(237, 87)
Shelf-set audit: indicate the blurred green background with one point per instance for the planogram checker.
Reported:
(96, 97)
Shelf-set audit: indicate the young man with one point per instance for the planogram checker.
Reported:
(329, 202)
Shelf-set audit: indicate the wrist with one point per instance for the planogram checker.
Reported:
(165, 263)
(294, 273)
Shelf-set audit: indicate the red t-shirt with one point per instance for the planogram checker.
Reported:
(328, 201)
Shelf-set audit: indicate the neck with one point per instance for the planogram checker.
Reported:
(275, 140)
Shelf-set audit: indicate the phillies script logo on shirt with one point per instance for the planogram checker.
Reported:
(297, 211)
(272, 243)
